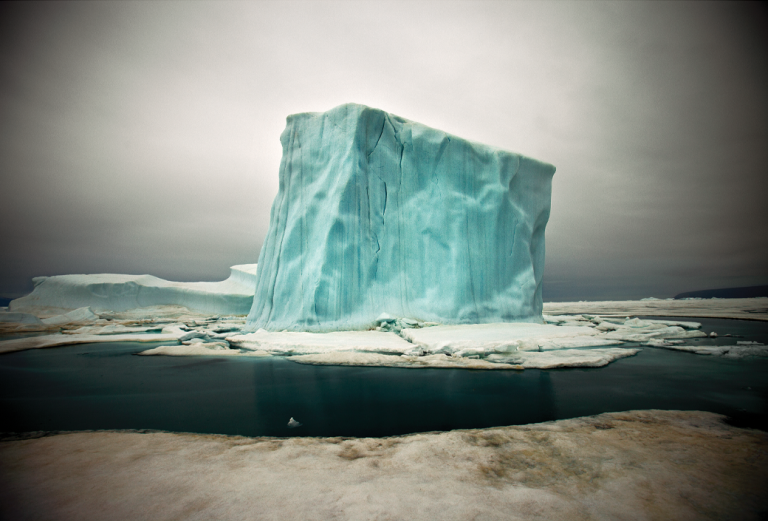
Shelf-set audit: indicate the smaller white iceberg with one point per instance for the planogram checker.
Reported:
(292, 424)
(113, 292)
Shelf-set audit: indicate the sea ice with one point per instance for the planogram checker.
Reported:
(577, 340)
(501, 338)
(43, 341)
(113, 329)
(565, 357)
(737, 351)
(376, 213)
(638, 334)
(123, 292)
(740, 308)
(438, 361)
(298, 343)
(199, 349)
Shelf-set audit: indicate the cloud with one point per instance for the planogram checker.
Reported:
(144, 137)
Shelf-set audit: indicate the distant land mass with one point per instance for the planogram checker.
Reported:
(748, 292)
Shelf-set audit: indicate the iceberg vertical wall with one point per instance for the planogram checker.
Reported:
(376, 214)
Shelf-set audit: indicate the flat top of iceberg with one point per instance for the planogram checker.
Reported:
(347, 107)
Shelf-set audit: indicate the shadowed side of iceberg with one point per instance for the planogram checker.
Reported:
(376, 213)
(233, 296)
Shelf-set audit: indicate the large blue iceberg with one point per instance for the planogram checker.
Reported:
(378, 214)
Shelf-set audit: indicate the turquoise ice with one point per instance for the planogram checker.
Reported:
(378, 214)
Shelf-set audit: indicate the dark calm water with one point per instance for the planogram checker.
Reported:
(104, 386)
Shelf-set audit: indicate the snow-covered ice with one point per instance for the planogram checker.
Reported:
(112, 292)
(554, 359)
(479, 346)
(634, 334)
(521, 360)
(501, 338)
(584, 340)
(741, 308)
(376, 213)
(290, 343)
(59, 339)
(200, 349)
(369, 359)
(732, 351)
(113, 329)
(626, 465)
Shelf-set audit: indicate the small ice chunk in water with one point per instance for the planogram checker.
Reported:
(713, 335)
(292, 424)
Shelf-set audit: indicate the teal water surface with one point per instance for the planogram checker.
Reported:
(104, 386)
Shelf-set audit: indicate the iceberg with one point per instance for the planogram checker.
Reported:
(112, 292)
(378, 214)
(19, 318)
(83, 315)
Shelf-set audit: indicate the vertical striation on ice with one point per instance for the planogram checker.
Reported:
(376, 213)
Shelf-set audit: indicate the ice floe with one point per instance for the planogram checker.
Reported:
(582, 340)
(200, 349)
(60, 339)
(522, 360)
(438, 361)
(498, 338)
(113, 329)
(565, 358)
(292, 343)
(741, 308)
(737, 351)
(635, 334)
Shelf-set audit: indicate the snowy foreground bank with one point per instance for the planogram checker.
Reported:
(582, 340)
(630, 465)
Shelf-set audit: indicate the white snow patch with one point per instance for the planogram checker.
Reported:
(292, 343)
(439, 361)
(117, 292)
(565, 357)
(741, 308)
(498, 338)
(200, 349)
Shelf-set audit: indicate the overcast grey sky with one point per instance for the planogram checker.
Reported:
(144, 137)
